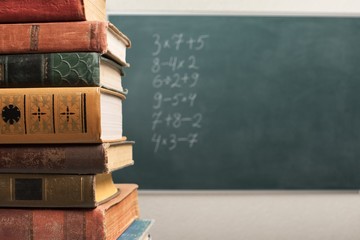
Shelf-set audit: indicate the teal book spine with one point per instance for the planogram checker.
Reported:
(138, 230)
(50, 70)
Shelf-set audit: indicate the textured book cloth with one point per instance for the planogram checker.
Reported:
(73, 69)
(84, 36)
(106, 222)
(66, 158)
(51, 11)
(56, 190)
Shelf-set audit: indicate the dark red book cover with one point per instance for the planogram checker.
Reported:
(81, 36)
(106, 222)
(51, 11)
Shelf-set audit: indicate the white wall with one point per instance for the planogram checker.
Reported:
(287, 215)
(312, 7)
(252, 215)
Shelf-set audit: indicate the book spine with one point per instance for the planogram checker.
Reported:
(84, 36)
(138, 230)
(17, 224)
(53, 158)
(50, 70)
(41, 11)
(39, 190)
(98, 223)
(36, 224)
(50, 115)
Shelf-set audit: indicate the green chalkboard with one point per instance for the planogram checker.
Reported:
(242, 102)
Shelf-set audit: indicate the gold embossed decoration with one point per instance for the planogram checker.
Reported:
(12, 114)
(41, 114)
(70, 113)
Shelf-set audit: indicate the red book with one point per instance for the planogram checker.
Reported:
(106, 222)
(85, 36)
(51, 10)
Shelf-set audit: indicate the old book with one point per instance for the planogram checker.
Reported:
(51, 11)
(60, 115)
(74, 69)
(66, 158)
(138, 230)
(106, 222)
(56, 190)
(85, 36)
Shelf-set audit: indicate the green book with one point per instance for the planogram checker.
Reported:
(81, 69)
(138, 230)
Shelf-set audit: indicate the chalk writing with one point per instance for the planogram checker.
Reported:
(172, 140)
(176, 117)
(176, 120)
(176, 80)
(174, 100)
(178, 42)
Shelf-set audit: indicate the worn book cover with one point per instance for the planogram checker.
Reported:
(84, 36)
(51, 11)
(72, 69)
(60, 115)
(106, 222)
(55, 190)
(66, 158)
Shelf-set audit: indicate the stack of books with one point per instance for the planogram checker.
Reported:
(61, 137)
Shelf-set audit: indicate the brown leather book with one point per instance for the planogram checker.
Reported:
(66, 158)
(51, 11)
(106, 222)
(60, 115)
(85, 36)
(55, 191)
